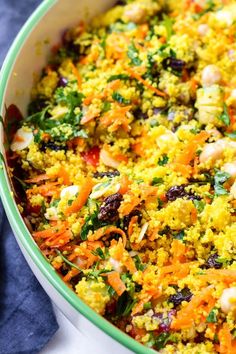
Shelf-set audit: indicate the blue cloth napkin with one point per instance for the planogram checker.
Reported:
(27, 320)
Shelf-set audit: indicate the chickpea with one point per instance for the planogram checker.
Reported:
(134, 13)
(211, 151)
(228, 300)
(232, 98)
(233, 190)
(224, 17)
(211, 75)
(203, 29)
(214, 151)
(230, 168)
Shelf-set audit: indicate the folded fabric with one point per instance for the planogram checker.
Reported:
(27, 321)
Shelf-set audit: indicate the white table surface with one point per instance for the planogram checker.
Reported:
(68, 340)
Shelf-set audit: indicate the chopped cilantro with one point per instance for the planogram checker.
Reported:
(220, 178)
(212, 316)
(168, 23)
(157, 181)
(179, 235)
(125, 304)
(119, 98)
(224, 117)
(138, 263)
(163, 160)
(68, 262)
(118, 77)
(99, 252)
(161, 340)
(147, 305)
(231, 135)
(133, 55)
(199, 204)
(106, 106)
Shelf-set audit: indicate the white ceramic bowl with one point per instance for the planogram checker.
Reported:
(26, 58)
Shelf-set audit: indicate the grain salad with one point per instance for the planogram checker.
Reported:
(124, 170)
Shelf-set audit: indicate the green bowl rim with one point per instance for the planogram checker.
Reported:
(16, 221)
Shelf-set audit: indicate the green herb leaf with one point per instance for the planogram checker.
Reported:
(199, 204)
(168, 23)
(225, 118)
(163, 160)
(231, 135)
(220, 178)
(157, 181)
(118, 77)
(147, 305)
(133, 55)
(68, 262)
(212, 316)
(99, 252)
(125, 304)
(119, 98)
(91, 224)
(179, 235)
(106, 106)
(161, 340)
(72, 98)
(138, 263)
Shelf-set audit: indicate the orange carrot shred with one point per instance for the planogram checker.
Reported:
(116, 283)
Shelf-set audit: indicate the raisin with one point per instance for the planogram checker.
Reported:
(173, 63)
(109, 209)
(52, 146)
(182, 295)
(179, 192)
(128, 218)
(108, 174)
(212, 262)
(63, 81)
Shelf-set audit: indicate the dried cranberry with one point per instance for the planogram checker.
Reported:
(182, 295)
(109, 209)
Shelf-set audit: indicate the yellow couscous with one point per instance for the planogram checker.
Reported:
(127, 167)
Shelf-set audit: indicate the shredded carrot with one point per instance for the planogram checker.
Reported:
(79, 202)
(64, 175)
(72, 273)
(76, 73)
(53, 231)
(46, 190)
(178, 250)
(185, 316)
(124, 184)
(116, 283)
(225, 340)
(127, 207)
(139, 306)
(184, 170)
(116, 118)
(190, 149)
(105, 231)
(38, 178)
(138, 77)
(132, 222)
